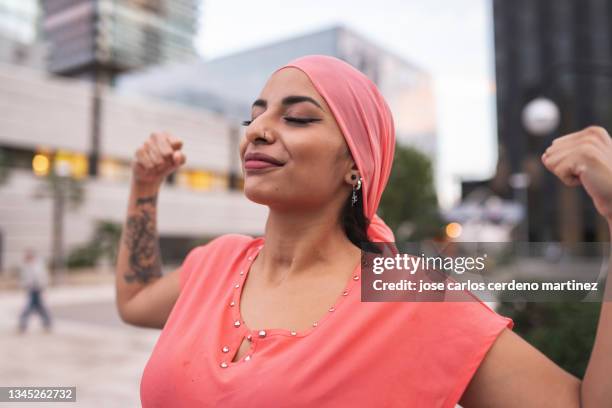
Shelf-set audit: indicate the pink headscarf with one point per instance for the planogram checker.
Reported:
(366, 123)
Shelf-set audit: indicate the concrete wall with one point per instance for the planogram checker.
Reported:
(37, 111)
(127, 121)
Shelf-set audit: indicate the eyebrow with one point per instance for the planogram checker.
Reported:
(289, 100)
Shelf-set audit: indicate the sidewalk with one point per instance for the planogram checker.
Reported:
(89, 347)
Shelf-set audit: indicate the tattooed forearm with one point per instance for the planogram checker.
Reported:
(142, 242)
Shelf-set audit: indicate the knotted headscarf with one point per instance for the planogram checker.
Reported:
(366, 123)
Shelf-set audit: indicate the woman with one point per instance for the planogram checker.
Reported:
(277, 320)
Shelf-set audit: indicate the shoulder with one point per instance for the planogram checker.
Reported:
(481, 327)
(485, 316)
(469, 316)
(459, 335)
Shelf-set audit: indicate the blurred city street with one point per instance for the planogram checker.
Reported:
(89, 347)
(463, 102)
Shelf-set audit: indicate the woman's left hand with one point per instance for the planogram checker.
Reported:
(585, 158)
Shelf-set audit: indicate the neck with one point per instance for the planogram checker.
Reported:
(299, 243)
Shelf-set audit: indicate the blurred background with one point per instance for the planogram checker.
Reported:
(478, 89)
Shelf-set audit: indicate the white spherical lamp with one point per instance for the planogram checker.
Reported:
(541, 116)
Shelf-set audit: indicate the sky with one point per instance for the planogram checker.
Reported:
(450, 39)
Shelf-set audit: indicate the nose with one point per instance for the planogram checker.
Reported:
(259, 132)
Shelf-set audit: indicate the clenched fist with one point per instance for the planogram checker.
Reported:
(585, 158)
(159, 156)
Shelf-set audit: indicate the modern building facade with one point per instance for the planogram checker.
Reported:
(44, 125)
(230, 84)
(98, 39)
(560, 50)
(115, 36)
(52, 124)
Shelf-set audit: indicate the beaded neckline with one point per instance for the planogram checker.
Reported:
(238, 285)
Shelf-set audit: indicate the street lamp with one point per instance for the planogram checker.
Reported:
(541, 116)
(520, 183)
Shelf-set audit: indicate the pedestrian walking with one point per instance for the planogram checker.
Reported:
(34, 279)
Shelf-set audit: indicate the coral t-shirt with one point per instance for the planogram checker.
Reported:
(359, 354)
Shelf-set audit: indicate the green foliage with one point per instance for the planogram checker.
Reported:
(563, 331)
(83, 256)
(409, 204)
(200, 241)
(5, 166)
(103, 244)
(107, 237)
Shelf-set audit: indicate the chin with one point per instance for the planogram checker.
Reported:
(258, 195)
(272, 196)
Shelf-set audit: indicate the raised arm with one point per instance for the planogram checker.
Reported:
(514, 374)
(144, 296)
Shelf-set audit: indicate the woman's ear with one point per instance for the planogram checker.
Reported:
(352, 173)
(352, 176)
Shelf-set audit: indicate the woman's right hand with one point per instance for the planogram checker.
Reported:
(158, 157)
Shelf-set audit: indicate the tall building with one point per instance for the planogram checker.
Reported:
(98, 39)
(113, 36)
(230, 84)
(561, 50)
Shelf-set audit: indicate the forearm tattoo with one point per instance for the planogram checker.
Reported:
(142, 242)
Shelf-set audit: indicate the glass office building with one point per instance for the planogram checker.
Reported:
(118, 35)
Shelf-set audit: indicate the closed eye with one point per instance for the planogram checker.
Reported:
(301, 121)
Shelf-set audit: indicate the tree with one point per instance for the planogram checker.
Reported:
(62, 190)
(103, 244)
(409, 204)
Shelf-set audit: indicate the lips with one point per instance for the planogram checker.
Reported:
(260, 161)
